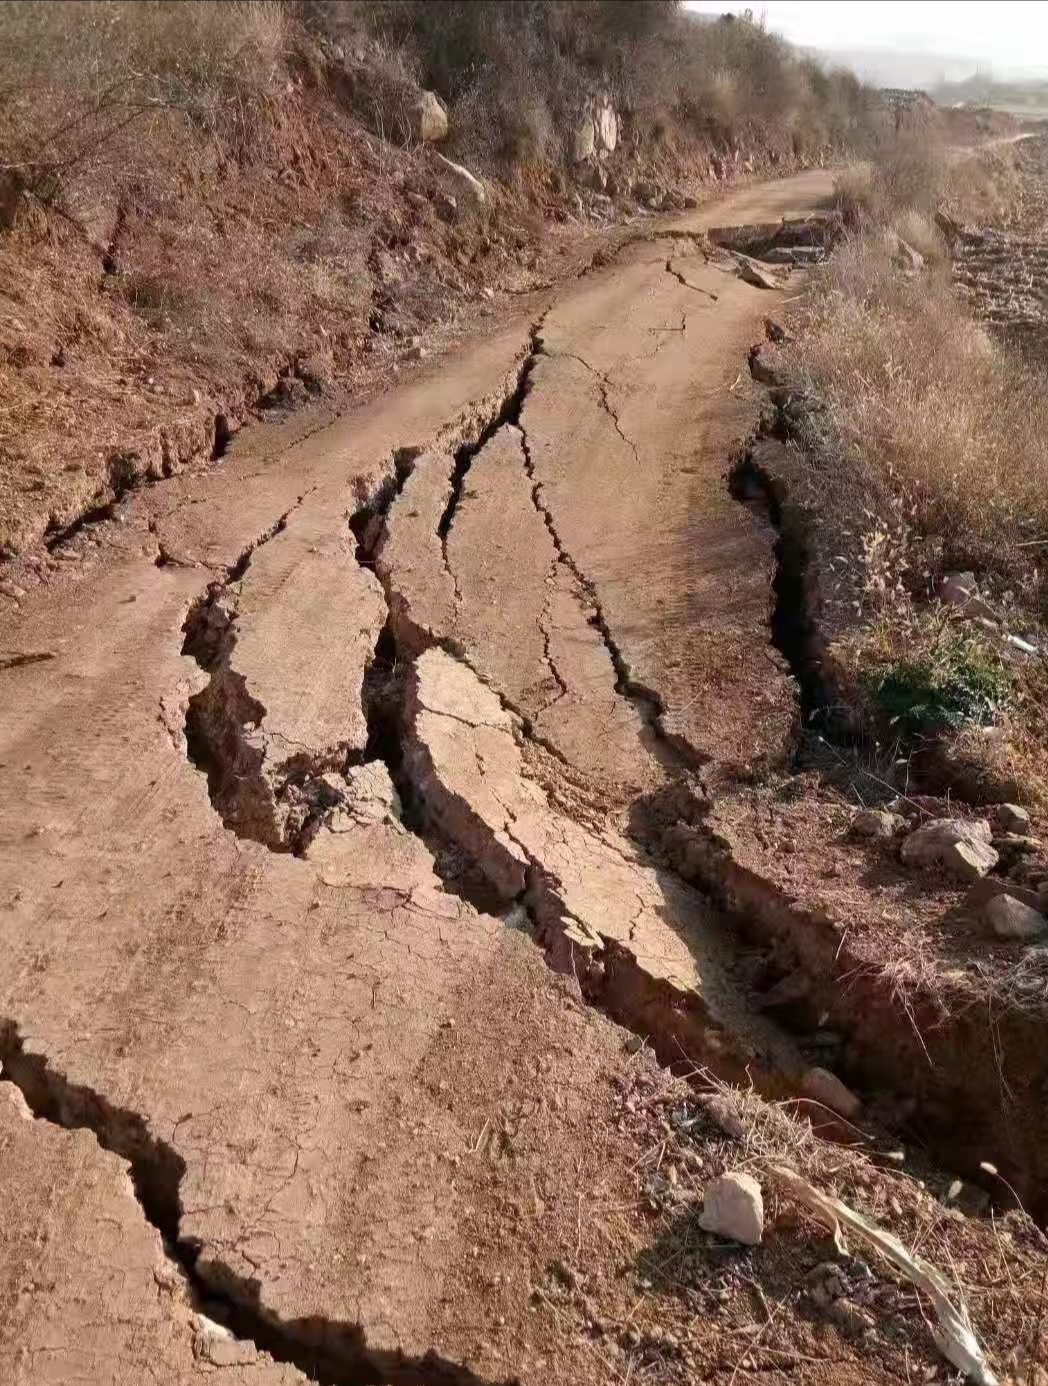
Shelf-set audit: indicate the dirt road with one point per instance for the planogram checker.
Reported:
(301, 760)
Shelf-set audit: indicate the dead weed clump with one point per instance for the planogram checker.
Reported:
(928, 439)
(915, 392)
(866, 1294)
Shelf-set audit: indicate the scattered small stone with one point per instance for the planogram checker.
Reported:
(734, 1208)
(1013, 819)
(1010, 918)
(723, 1115)
(851, 1318)
(877, 823)
(822, 1086)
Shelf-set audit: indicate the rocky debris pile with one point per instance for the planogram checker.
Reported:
(961, 848)
(961, 591)
(801, 241)
(1013, 901)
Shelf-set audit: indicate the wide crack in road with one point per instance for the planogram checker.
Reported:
(294, 801)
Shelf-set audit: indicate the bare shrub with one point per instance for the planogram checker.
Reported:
(985, 186)
(910, 173)
(854, 195)
(516, 76)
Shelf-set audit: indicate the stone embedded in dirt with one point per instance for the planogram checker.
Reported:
(734, 1208)
(961, 590)
(1010, 918)
(851, 1317)
(431, 118)
(877, 823)
(822, 1086)
(1011, 847)
(983, 891)
(585, 139)
(1013, 819)
(316, 370)
(962, 848)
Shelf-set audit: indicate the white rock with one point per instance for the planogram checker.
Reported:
(1010, 918)
(1013, 819)
(585, 138)
(431, 118)
(607, 127)
(961, 590)
(962, 848)
(824, 1087)
(877, 823)
(734, 1208)
(468, 187)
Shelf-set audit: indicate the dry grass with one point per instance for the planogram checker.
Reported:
(994, 1266)
(928, 442)
(918, 230)
(916, 392)
(907, 174)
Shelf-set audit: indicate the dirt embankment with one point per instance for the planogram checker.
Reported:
(244, 214)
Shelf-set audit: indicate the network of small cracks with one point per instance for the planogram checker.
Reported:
(326, 1351)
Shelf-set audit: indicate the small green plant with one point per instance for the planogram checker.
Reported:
(959, 679)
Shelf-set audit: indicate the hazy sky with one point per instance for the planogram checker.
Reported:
(1004, 35)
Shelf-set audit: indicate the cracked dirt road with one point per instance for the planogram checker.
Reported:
(301, 760)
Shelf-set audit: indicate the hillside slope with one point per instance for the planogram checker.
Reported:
(210, 208)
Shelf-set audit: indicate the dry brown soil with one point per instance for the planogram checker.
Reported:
(368, 802)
